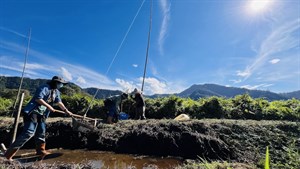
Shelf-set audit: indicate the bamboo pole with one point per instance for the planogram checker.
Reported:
(24, 67)
(76, 115)
(17, 119)
(148, 46)
(3, 148)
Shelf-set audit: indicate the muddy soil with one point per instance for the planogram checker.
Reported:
(230, 140)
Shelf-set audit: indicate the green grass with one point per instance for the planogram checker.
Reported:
(267, 161)
(204, 164)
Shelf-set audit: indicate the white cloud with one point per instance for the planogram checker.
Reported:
(151, 86)
(13, 64)
(34, 66)
(86, 77)
(281, 40)
(12, 31)
(285, 72)
(154, 86)
(274, 61)
(134, 65)
(13, 47)
(66, 74)
(152, 68)
(165, 7)
(259, 86)
(244, 73)
(17, 33)
(126, 85)
(236, 81)
(92, 78)
(45, 66)
(81, 80)
(9, 62)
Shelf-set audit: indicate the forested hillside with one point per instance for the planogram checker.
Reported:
(194, 92)
(207, 90)
(237, 107)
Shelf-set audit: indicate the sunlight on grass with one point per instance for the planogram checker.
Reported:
(267, 161)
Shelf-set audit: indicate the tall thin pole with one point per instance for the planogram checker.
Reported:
(148, 46)
(24, 67)
(116, 54)
(17, 119)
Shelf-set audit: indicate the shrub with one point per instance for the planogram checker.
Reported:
(5, 105)
(212, 108)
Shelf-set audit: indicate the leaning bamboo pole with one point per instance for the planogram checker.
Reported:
(16, 122)
(24, 67)
(148, 46)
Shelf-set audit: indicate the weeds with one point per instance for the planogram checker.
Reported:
(293, 157)
(267, 160)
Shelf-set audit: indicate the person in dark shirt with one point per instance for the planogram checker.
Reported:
(140, 105)
(113, 104)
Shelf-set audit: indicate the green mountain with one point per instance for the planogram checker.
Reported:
(207, 90)
(295, 94)
(14, 82)
(8, 86)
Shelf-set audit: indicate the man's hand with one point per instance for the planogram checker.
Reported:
(51, 109)
(68, 112)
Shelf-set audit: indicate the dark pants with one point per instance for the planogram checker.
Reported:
(140, 113)
(34, 125)
(113, 112)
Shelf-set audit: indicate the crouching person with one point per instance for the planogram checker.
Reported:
(113, 104)
(35, 114)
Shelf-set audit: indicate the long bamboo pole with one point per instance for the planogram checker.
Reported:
(148, 46)
(75, 115)
(17, 119)
(24, 67)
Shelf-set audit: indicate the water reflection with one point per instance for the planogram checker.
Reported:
(100, 159)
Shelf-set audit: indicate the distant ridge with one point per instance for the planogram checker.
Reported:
(32, 84)
(102, 93)
(295, 94)
(194, 92)
(207, 90)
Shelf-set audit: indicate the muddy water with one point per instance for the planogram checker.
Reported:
(99, 159)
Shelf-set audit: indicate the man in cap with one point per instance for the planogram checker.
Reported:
(35, 114)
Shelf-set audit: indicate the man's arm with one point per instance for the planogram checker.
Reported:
(42, 102)
(63, 107)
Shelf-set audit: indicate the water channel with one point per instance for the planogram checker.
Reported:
(98, 159)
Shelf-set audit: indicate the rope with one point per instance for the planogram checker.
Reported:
(129, 28)
(24, 67)
(148, 46)
(111, 63)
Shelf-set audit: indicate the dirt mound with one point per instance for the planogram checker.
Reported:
(230, 140)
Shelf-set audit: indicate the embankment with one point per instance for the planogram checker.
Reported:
(230, 140)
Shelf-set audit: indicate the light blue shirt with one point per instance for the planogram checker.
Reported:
(43, 92)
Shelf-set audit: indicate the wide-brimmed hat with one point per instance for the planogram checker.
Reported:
(59, 79)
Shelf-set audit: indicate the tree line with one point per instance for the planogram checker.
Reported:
(238, 107)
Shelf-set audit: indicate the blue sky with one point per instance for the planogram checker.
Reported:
(252, 44)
